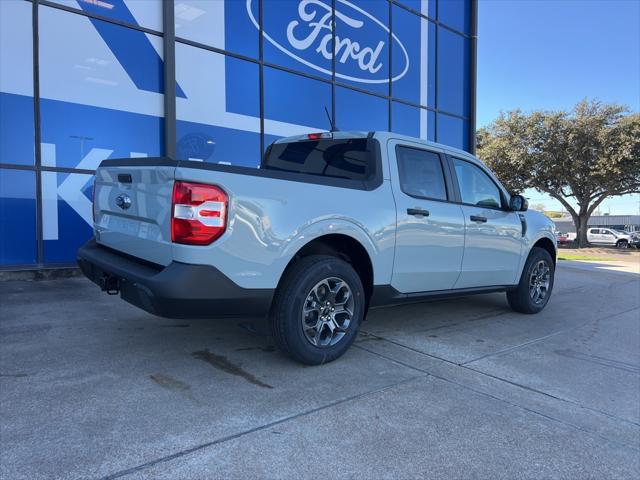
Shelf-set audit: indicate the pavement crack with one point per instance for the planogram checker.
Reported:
(188, 451)
(545, 337)
(598, 360)
(466, 364)
(393, 342)
(515, 347)
(507, 402)
(555, 397)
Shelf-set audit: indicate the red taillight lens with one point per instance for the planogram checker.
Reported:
(199, 213)
(318, 136)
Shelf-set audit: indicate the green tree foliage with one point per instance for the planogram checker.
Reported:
(582, 156)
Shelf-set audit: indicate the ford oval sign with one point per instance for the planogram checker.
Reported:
(307, 38)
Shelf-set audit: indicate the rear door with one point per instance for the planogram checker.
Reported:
(493, 235)
(132, 207)
(594, 235)
(430, 229)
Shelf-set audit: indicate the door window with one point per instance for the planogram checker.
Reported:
(421, 173)
(476, 187)
(594, 231)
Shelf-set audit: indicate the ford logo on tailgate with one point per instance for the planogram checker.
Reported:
(123, 201)
(362, 44)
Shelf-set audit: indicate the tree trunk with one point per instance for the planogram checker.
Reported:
(580, 221)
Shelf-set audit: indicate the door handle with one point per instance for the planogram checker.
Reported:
(418, 212)
(477, 218)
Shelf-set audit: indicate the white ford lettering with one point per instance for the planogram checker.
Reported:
(366, 57)
(310, 34)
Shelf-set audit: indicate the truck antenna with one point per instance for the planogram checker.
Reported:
(333, 126)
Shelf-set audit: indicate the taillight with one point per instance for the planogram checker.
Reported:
(318, 136)
(199, 213)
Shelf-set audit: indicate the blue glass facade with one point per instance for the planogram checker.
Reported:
(93, 87)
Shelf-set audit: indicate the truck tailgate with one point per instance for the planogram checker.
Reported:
(132, 208)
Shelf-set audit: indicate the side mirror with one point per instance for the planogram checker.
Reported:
(518, 203)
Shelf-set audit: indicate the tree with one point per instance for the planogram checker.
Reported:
(585, 155)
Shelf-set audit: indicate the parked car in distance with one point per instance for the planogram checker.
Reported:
(330, 225)
(562, 238)
(635, 239)
(608, 236)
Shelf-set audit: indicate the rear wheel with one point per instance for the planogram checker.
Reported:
(536, 283)
(318, 309)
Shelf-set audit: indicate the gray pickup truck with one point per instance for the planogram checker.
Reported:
(330, 225)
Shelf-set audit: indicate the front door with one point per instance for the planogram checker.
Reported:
(494, 240)
(430, 229)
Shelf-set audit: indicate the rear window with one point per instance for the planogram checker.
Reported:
(351, 158)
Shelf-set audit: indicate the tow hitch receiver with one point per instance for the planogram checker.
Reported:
(111, 285)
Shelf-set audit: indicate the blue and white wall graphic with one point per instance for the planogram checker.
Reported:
(101, 91)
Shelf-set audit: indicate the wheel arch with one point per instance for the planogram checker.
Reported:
(342, 246)
(548, 245)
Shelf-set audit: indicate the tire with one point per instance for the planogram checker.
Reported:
(622, 244)
(308, 284)
(526, 298)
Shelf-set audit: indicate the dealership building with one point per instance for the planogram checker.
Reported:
(210, 80)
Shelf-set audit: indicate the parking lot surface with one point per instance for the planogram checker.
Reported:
(91, 387)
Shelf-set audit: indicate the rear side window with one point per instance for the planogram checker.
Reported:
(352, 158)
(421, 173)
(595, 230)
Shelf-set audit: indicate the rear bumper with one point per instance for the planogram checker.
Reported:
(178, 290)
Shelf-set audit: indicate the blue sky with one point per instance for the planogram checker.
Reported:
(550, 54)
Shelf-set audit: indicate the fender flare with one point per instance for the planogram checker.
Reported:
(329, 226)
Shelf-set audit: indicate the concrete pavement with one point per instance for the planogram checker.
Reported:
(91, 387)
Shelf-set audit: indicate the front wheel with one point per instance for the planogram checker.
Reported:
(536, 283)
(622, 244)
(317, 309)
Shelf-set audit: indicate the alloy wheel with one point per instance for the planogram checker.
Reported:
(539, 282)
(327, 312)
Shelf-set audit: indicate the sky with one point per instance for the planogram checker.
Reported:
(550, 54)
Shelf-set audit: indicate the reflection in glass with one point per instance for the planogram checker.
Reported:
(16, 84)
(17, 217)
(418, 36)
(296, 99)
(222, 24)
(453, 73)
(453, 131)
(361, 111)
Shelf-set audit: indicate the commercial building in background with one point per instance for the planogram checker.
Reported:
(216, 81)
(624, 223)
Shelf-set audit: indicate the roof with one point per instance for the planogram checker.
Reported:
(605, 220)
(383, 136)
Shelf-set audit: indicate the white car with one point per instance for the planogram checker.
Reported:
(607, 236)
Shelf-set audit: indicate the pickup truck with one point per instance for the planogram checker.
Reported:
(608, 236)
(330, 225)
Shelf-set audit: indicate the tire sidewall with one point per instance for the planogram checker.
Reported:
(536, 255)
(325, 268)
